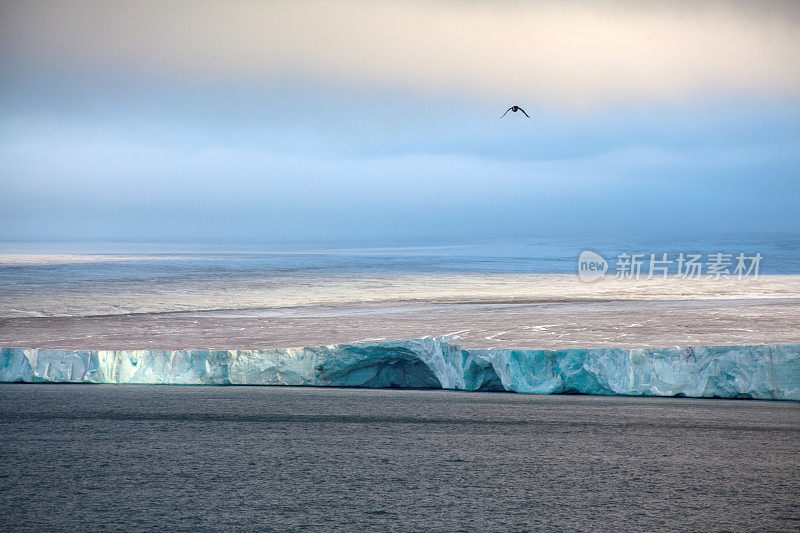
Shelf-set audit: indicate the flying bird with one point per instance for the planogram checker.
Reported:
(514, 109)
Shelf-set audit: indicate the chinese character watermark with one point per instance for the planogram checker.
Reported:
(635, 266)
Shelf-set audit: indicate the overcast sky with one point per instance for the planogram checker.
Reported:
(338, 120)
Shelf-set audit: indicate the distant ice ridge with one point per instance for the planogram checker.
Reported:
(766, 372)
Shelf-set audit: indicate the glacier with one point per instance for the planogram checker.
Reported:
(760, 372)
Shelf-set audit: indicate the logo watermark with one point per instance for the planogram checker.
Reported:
(635, 266)
(591, 266)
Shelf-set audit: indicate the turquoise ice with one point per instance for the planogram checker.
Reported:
(764, 371)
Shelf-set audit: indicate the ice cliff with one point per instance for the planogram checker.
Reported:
(768, 371)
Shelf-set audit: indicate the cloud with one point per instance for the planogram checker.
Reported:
(564, 53)
(66, 182)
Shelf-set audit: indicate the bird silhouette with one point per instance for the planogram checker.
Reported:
(514, 109)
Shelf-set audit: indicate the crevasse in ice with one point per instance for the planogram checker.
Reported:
(765, 371)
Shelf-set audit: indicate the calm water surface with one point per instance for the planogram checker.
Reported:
(78, 457)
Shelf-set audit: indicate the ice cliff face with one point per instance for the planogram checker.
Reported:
(768, 372)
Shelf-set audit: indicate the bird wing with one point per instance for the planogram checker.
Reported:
(523, 112)
(507, 110)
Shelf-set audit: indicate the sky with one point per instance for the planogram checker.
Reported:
(281, 121)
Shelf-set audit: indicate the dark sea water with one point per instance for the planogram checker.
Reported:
(95, 458)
